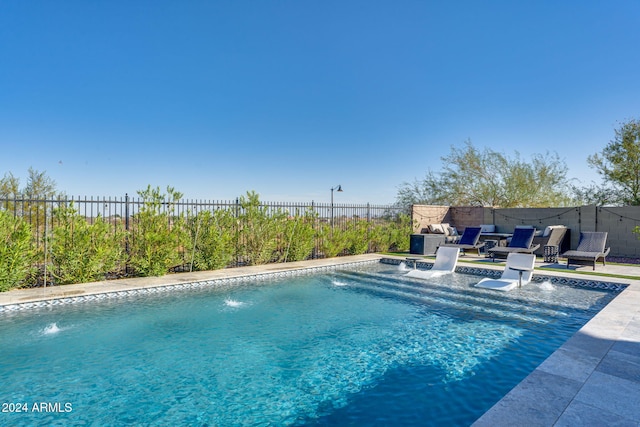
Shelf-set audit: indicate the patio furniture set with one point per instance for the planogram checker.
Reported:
(551, 243)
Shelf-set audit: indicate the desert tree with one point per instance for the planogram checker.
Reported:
(474, 177)
(619, 165)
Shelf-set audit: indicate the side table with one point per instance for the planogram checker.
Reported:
(488, 244)
(551, 253)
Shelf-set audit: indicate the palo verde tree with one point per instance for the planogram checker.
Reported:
(471, 177)
(619, 165)
(39, 186)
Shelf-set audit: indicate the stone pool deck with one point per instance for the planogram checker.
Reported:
(592, 380)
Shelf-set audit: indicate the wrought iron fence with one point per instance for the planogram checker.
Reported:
(121, 213)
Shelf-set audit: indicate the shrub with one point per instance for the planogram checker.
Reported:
(214, 240)
(260, 231)
(16, 253)
(158, 237)
(299, 235)
(381, 237)
(83, 252)
(333, 241)
(399, 231)
(357, 236)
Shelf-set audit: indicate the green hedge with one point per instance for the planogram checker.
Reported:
(159, 239)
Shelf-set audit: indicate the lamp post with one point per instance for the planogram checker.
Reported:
(338, 188)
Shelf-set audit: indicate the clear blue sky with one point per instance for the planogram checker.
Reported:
(291, 97)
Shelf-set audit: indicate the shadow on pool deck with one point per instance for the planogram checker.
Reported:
(593, 379)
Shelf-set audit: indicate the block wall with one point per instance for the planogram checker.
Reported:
(618, 222)
(507, 219)
(467, 216)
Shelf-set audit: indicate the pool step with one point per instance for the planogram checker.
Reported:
(465, 304)
(509, 301)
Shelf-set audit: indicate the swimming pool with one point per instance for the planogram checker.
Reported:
(358, 346)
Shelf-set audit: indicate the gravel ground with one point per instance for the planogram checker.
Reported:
(623, 260)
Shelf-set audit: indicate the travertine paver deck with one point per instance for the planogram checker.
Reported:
(592, 380)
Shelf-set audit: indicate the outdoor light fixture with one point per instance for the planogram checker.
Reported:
(338, 188)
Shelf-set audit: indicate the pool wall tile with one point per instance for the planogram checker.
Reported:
(259, 277)
(474, 270)
(538, 278)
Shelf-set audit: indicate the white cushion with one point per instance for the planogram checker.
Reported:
(436, 228)
(549, 228)
(487, 228)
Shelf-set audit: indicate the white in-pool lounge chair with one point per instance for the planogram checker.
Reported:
(517, 272)
(445, 263)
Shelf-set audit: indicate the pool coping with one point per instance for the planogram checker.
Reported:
(593, 378)
(23, 299)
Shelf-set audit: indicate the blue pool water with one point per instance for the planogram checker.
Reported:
(362, 346)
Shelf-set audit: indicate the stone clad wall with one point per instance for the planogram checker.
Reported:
(619, 222)
(460, 217)
(423, 215)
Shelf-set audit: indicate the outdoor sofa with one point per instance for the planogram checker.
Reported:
(449, 233)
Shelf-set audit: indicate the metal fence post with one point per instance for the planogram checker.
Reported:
(368, 228)
(126, 223)
(237, 209)
(316, 248)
